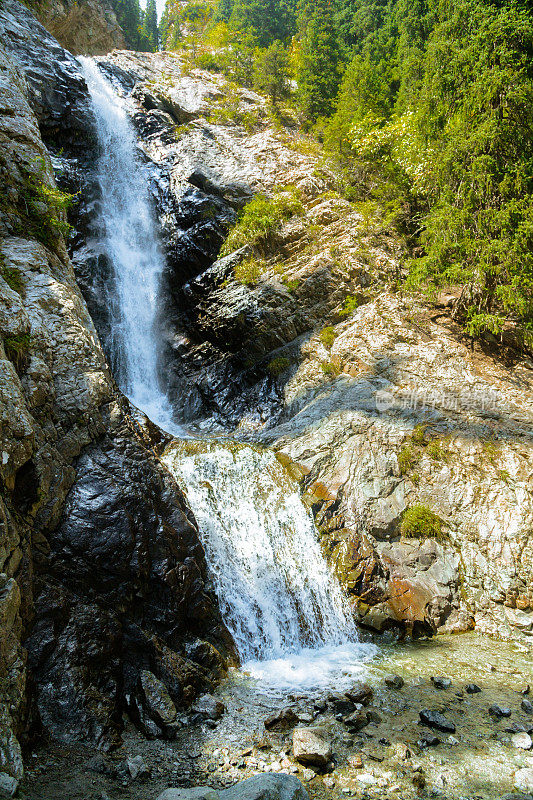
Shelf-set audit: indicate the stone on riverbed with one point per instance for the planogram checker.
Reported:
(434, 719)
(440, 682)
(522, 741)
(523, 779)
(498, 712)
(360, 693)
(527, 706)
(394, 681)
(261, 787)
(282, 720)
(209, 707)
(472, 688)
(312, 746)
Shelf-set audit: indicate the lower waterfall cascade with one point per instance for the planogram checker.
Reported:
(286, 611)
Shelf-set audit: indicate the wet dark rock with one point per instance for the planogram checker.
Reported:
(282, 720)
(320, 705)
(195, 793)
(434, 719)
(356, 721)
(440, 682)
(122, 587)
(312, 746)
(472, 688)
(428, 740)
(527, 706)
(498, 712)
(360, 693)
(340, 704)
(394, 681)
(209, 707)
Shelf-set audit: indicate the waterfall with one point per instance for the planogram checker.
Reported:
(128, 237)
(284, 608)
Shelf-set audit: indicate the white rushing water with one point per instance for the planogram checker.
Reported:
(284, 608)
(281, 603)
(128, 237)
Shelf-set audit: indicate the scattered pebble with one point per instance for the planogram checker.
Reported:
(440, 682)
(394, 681)
(527, 706)
(428, 740)
(499, 711)
(472, 688)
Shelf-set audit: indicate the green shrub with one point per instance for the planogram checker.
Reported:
(328, 336)
(249, 270)
(278, 366)
(291, 285)
(17, 350)
(330, 369)
(351, 303)
(261, 218)
(419, 522)
(437, 451)
(490, 450)
(418, 435)
(407, 459)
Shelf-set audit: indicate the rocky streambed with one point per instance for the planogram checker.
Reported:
(449, 718)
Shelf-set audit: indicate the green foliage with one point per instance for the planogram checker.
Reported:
(418, 435)
(249, 270)
(350, 304)
(278, 366)
(266, 21)
(271, 71)
(407, 459)
(318, 63)
(130, 18)
(434, 120)
(17, 350)
(436, 450)
(328, 336)
(45, 207)
(261, 218)
(330, 369)
(150, 29)
(419, 522)
(490, 450)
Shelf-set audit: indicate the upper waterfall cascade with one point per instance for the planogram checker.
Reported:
(281, 603)
(128, 237)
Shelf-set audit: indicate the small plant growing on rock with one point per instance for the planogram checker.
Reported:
(278, 366)
(330, 369)
(291, 285)
(351, 304)
(490, 450)
(420, 522)
(249, 270)
(17, 350)
(418, 435)
(437, 451)
(407, 459)
(328, 336)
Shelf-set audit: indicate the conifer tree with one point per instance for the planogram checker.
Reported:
(319, 60)
(149, 27)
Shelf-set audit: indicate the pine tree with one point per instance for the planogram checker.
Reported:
(265, 20)
(319, 61)
(149, 26)
(225, 8)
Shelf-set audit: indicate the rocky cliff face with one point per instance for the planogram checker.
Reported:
(88, 28)
(413, 447)
(102, 576)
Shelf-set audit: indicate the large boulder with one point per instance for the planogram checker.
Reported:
(312, 746)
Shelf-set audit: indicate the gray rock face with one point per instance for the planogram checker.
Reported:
(85, 28)
(312, 746)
